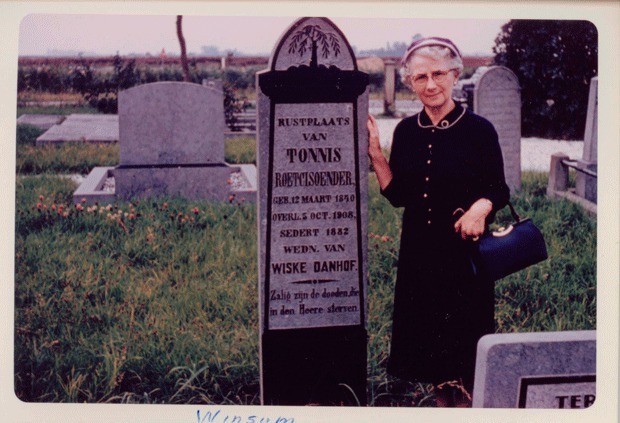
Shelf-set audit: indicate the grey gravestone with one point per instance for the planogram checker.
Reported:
(82, 128)
(172, 142)
(497, 97)
(586, 184)
(536, 370)
(312, 160)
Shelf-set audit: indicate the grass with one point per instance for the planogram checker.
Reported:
(82, 157)
(55, 110)
(240, 150)
(147, 302)
(155, 302)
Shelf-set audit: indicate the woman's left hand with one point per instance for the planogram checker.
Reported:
(471, 225)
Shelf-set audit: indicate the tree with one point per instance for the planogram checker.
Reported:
(554, 61)
(184, 63)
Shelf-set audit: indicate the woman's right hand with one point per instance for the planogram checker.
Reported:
(374, 146)
(379, 163)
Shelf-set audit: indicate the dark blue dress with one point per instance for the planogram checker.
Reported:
(440, 308)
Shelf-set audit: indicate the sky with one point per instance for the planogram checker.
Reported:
(41, 34)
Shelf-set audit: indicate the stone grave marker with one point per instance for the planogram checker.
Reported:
(90, 128)
(389, 88)
(586, 184)
(497, 97)
(313, 166)
(536, 370)
(44, 122)
(172, 142)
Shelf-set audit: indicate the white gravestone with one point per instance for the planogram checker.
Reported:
(586, 184)
(536, 370)
(497, 97)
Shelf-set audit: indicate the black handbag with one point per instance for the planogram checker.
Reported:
(508, 250)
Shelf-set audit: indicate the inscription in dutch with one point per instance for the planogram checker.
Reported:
(314, 265)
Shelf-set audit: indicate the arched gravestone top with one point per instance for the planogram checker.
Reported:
(312, 42)
(498, 78)
(171, 123)
(497, 97)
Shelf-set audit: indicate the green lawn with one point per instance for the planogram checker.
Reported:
(55, 110)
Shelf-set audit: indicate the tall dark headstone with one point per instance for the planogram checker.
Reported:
(313, 170)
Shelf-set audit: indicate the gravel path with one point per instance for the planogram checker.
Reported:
(535, 152)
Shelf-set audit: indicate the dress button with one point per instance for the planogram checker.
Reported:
(428, 223)
(430, 146)
(427, 179)
(425, 195)
(429, 210)
(428, 162)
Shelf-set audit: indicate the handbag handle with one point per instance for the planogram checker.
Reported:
(514, 214)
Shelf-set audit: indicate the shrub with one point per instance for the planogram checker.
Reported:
(554, 61)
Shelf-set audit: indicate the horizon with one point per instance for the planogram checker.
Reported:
(65, 35)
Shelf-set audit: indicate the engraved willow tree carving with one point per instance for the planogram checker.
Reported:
(312, 36)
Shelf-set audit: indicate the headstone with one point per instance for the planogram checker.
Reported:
(536, 370)
(497, 97)
(313, 166)
(172, 142)
(586, 184)
(389, 88)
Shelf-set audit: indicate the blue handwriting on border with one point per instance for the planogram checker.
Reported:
(218, 417)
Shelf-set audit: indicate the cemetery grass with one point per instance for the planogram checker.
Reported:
(156, 301)
(82, 157)
(63, 110)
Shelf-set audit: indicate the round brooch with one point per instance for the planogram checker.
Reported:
(444, 124)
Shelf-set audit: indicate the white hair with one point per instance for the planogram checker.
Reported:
(433, 52)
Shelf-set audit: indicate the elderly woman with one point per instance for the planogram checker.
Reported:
(446, 170)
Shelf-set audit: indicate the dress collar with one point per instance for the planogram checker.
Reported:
(448, 121)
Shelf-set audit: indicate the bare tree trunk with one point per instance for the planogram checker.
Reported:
(184, 64)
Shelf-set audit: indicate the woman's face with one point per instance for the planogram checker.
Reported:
(433, 92)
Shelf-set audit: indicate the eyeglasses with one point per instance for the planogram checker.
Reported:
(420, 80)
